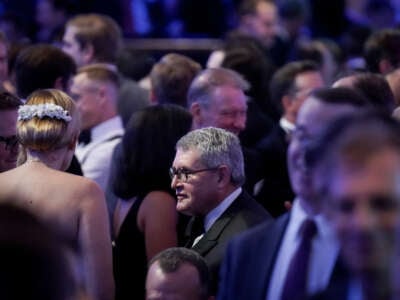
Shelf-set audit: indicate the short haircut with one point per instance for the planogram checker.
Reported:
(353, 140)
(204, 84)
(383, 44)
(101, 72)
(147, 150)
(216, 147)
(171, 78)
(46, 134)
(8, 101)
(283, 81)
(340, 95)
(99, 31)
(39, 66)
(376, 90)
(249, 60)
(170, 260)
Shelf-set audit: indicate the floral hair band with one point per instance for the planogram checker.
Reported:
(50, 110)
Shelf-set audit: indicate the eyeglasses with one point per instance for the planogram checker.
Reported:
(10, 141)
(183, 174)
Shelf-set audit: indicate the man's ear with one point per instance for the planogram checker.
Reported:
(196, 111)
(224, 175)
(88, 53)
(286, 103)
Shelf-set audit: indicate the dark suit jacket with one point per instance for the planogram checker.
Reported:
(242, 214)
(338, 287)
(276, 187)
(131, 98)
(250, 259)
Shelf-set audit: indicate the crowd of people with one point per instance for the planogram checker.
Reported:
(272, 171)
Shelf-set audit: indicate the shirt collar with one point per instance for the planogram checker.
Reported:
(286, 125)
(106, 126)
(214, 214)
(299, 215)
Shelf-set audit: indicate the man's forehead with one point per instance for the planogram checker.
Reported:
(316, 114)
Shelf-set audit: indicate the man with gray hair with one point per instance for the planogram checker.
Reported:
(217, 98)
(178, 273)
(207, 175)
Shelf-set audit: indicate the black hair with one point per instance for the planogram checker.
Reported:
(148, 149)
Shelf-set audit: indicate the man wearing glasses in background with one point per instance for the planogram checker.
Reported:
(207, 175)
(8, 128)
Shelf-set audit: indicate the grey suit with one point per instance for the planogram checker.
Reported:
(244, 213)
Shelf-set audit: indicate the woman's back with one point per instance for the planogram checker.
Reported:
(71, 206)
(56, 197)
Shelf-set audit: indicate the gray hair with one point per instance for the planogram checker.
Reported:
(216, 147)
(204, 84)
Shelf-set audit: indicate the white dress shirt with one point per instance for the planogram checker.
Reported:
(323, 254)
(95, 157)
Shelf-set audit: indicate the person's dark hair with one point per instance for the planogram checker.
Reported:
(340, 95)
(99, 31)
(383, 44)
(39, 66)
(9, 101)
(148, 149)
(134, 64)
(171, 77)
(170, 260)
(33, 261)
(283, 80)
(376, 90)
(250, 61)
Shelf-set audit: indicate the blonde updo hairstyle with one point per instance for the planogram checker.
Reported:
(46, 133)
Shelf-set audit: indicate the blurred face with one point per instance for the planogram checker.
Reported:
(227, 110)
(8, 129)
(85, 93)
(182, 284)
(304, 84)
(197, 195)
(364, 209)
(313, 116)
(45, 14)
(264, 24)
(71, 46)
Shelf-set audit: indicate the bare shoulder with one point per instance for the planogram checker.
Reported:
(85, 185)
(156, 203)
(159, 199)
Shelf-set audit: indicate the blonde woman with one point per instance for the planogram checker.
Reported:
(73, 206)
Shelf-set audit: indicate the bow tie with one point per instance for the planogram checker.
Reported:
(85, 137)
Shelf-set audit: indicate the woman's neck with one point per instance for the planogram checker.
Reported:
(52, 159)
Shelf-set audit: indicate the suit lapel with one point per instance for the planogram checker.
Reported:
(210, 238)
(268, 249)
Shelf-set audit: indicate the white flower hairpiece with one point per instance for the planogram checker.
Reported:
(28, 112)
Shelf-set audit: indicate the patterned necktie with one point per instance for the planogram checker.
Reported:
(196, 230)
(295, 286)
